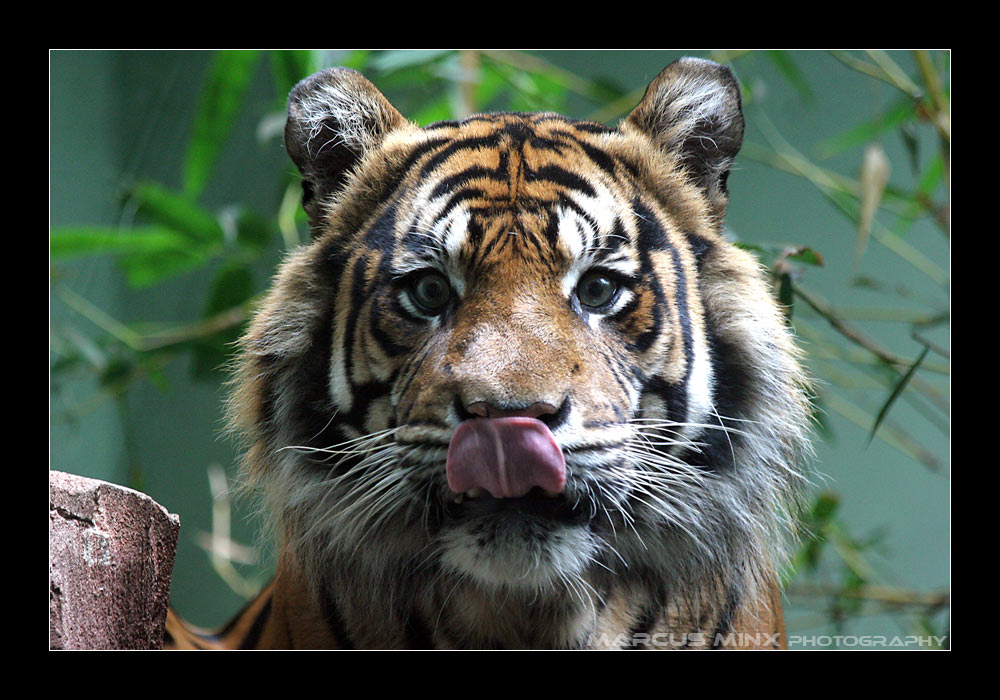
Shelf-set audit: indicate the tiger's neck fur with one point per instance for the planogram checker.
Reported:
(287, 615)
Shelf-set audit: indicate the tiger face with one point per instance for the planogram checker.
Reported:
(519, 359)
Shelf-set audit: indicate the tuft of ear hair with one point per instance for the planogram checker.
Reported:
(693, 111)
(335, 118)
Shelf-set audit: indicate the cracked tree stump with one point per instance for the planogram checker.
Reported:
(111, 554)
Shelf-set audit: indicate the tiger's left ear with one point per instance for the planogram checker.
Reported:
(335, 118)
(693, 110)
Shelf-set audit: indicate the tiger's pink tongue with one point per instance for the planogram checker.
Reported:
(505, 456)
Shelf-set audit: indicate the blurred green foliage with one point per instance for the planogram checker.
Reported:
(170, 233)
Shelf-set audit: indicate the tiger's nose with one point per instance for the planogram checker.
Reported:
(484, 409)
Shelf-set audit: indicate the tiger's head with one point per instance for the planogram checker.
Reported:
(519, 357)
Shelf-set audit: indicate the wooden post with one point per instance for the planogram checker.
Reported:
(111, 554)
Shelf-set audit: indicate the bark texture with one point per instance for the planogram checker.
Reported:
(111, 555)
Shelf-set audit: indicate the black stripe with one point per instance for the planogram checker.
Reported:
(565, 178)
(683, 314)
(253, 634)
(567, 202)
(335, 620)
(409, 372)
(731, 399)
(490, 141)
(545, 144)
(461, 178)
(462, 195)
(443, 124)
(332, 259)
(364, 396)
(644, 623)
(418, 634)
(646, 337)
(474, 234)
(381, 235)
(733, 393)
(650, 238)
(599, 157)
(592, 127)
(386, 344)
(617, 365)
(488, 118)
(308, 382)
(728, 615)
(228, 627)
(700, 247)
(500, 241)
(327, 268)
(356, 299)
(653, 237)
(422, 149)
(616, 239)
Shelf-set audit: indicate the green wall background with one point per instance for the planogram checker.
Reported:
(120, 117)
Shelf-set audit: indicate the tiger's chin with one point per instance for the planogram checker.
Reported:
(532, 543)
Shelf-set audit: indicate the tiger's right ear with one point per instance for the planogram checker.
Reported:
(335, 117)
(692, 110)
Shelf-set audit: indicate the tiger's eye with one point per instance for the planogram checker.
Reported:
(431, 291)
(596, 289)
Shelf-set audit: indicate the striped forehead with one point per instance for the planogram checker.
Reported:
(502, 178)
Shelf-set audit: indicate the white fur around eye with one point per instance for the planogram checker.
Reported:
(585, 247)
(453, 231)
(594, 317)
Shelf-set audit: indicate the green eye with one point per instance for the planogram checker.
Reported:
(596, 289)
(431, 291)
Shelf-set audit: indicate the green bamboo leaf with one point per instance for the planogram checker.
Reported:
(434, 110)
(761, 251)
(896, 391)
(253, 232)
(818, 522)
(233, 285)
(116, 374)
(291, 66)
(844, 200)
(791, 72)
(356, 58)
(154, 372)
(896, 115)
(932, 176)
(81, 241)
(895, 75)
(148, 269)
(221, 97)
(824, 508)
(388, 61)
(910, 136)
(786, 293)
(824, 427)
(490, 86)
(177, 212)
(548, 93)
(929, 180)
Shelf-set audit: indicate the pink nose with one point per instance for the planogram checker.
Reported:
(484, 409)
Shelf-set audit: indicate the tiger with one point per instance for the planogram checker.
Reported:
(520, 390)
